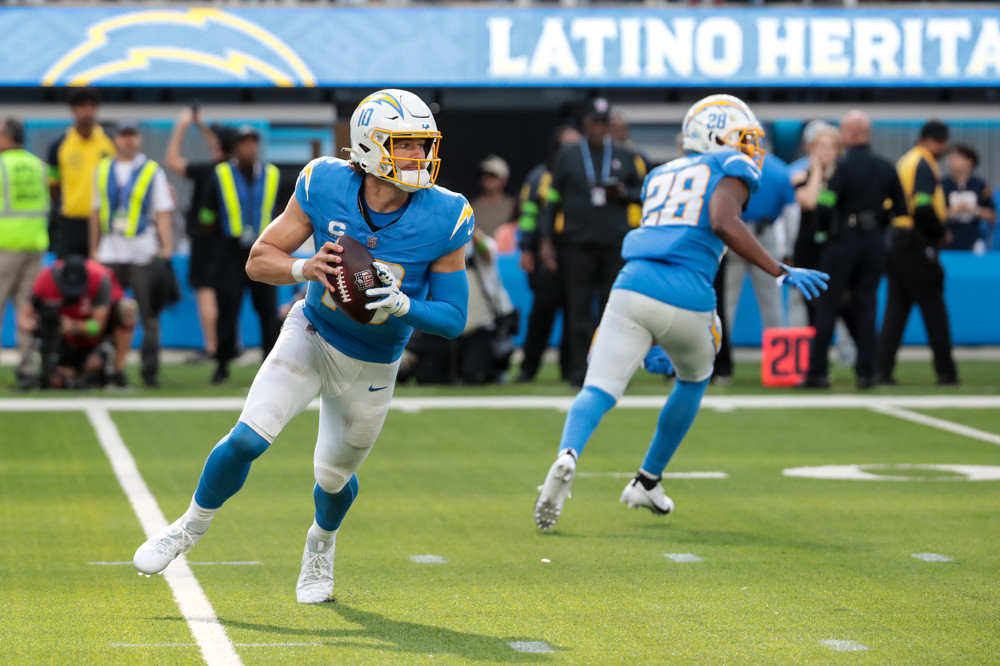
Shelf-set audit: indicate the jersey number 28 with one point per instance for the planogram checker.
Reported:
(676, 197)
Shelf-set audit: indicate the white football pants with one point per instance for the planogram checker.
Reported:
(354, 398)
(631, 324)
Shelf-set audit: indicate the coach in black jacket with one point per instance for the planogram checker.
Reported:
(593, 184)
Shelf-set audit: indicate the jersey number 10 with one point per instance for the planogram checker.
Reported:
(676, 197)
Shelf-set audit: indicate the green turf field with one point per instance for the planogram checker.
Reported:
(785, 563)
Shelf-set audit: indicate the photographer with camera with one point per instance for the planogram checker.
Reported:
(481, 354)
(76, 305)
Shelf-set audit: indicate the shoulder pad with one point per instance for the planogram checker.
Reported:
(316, 166)
(738, 165)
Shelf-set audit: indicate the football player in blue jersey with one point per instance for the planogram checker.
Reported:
(383, 196)
(691, 211)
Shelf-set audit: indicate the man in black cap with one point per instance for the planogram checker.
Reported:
(241, 202)
(131, 231)
(219, 140)
(915, 272)
(76, 304)
(593, 182)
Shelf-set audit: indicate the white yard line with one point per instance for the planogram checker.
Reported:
(934, 422)
(216, 648)
(413, 404)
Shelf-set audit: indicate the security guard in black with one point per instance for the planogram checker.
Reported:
(852, 209)
(594, 181)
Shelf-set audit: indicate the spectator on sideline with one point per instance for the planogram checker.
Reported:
(131, 226)
(593, 182)
(970, 203)
(73, 159)
(204, 237)
(809, 134)
(852, 208)
(915, 272)
(24, 211)
(546, 288)
(825, 148)
(242, 201)
(770, 213)
(84, 306)
(493, 207)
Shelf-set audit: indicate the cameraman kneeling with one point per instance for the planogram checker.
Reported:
(76, 305)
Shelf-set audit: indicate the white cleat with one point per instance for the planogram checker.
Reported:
(316, 579)
(635, 495)
(553, 493)
(164, 547)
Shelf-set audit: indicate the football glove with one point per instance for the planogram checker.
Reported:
(394, 301)
(657, 362)
(809, 282)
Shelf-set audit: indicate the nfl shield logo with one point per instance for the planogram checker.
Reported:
(372, 242)
(364, 280)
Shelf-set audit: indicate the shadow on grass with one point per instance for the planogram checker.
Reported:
(378, 632)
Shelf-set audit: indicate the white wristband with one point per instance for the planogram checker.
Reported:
(297, 268)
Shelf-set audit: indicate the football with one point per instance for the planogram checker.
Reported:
(358, 274)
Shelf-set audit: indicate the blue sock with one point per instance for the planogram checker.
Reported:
(228, 465)
(590, 405)
(332, 507)
(675, 420)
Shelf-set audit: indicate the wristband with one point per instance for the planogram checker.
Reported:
(297, 268)
(91, 327)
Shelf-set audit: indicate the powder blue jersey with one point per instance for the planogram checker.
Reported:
(674, 255)
(434, 223)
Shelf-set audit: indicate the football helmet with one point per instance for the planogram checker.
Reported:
(723, 122)
(385, 117)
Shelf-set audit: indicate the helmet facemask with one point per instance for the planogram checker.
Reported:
(747, 140)
(399, 170)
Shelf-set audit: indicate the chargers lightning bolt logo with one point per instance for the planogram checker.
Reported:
(161, 43)
(384, 98)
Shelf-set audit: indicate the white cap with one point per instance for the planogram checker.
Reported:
(814, 127)
(495, 165)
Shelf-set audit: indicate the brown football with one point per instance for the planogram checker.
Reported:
(358, 274)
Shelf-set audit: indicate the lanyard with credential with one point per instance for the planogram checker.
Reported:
(588, 163)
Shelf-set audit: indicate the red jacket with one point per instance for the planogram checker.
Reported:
(102, 289)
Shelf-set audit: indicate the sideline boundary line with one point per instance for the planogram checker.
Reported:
(939, 424)
(209, 634)
(413, 404)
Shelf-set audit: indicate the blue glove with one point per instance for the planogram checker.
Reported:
(657, 362)
(809, 282)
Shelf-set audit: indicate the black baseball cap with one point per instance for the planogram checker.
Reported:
(598, 109)
(934, 130)
(71, 276)
(227, 137)
(127, 126)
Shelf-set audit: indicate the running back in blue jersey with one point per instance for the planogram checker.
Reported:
(674, 255)
(434, 223)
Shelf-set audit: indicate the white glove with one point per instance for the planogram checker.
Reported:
(395, 302)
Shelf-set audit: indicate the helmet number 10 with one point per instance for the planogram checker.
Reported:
(676, 197)
(365, 117)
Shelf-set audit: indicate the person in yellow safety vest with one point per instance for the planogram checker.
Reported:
(242, 204)
(131, 227)
(24, 236)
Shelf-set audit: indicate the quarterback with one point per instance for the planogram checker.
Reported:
(384, 196)
(663, 295)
